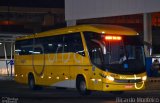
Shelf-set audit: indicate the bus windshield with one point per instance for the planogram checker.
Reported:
(123, 56)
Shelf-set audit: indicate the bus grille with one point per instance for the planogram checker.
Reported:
(127, 80)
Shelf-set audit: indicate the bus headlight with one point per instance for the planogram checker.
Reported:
(144, 78)
(110, 78)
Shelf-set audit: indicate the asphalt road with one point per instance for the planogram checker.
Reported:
(12, 92)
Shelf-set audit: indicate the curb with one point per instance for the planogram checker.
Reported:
(6, 78)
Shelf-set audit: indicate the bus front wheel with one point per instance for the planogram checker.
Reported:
(81, 86)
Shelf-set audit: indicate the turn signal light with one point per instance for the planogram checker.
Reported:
(113, 37)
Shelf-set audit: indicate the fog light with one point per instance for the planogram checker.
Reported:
(110, 78)
(144, 78)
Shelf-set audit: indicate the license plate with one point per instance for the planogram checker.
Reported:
(128, 86)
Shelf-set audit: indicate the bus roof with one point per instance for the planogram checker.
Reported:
(99, 28)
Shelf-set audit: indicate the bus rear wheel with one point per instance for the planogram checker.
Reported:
(81, 86)
(31, 83)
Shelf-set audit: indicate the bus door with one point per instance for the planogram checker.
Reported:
(96, 49)
(96, 59)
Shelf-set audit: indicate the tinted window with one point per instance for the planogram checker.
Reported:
(94, 44)
(53, 44)
(24, 47)
(73, 43)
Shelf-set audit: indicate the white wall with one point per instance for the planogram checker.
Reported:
(82, 9)
(3, 68)
(8, 49)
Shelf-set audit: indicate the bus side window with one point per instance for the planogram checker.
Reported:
(24, 47)
(38, 51)
(95, 52)
(73, 43)
(52, 44)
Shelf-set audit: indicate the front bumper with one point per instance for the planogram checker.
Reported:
(123, 86)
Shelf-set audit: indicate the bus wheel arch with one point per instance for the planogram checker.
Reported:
(81, 85)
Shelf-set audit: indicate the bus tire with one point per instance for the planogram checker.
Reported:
(81, 86)
(31, 82)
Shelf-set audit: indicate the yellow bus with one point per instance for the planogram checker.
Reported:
(85, 57)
